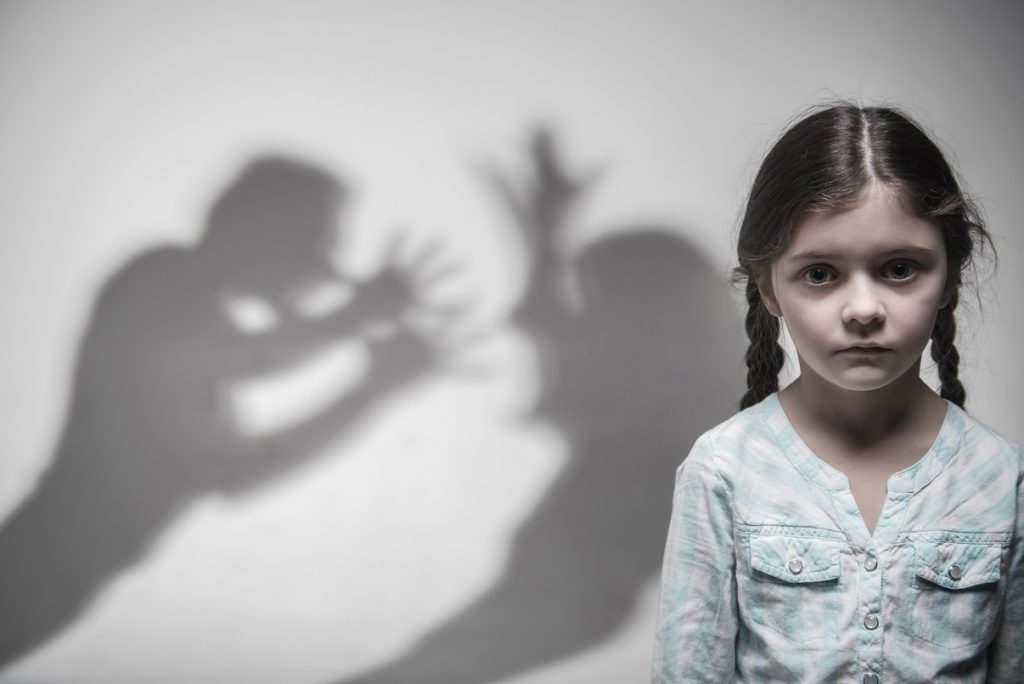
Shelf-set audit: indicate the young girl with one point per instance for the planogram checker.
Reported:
(856, 526)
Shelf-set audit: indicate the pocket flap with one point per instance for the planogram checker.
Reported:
(796, 559)
(957, 565)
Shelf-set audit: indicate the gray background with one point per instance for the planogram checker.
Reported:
(477, 513)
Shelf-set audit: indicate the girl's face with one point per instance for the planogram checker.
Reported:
(859, 291)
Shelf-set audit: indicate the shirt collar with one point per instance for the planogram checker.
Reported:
(910, 480)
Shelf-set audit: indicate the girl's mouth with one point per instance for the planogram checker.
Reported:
(867, 350)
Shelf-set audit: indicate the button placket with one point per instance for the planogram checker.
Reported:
(869, 641)
(873, 583)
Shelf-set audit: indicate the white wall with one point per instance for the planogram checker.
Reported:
(121, 121)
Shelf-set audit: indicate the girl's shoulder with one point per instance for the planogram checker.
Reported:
(755, 420)
(980, 440)
(759, 429)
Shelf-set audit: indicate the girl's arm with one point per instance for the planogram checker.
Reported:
(697, 623)
(1006, 657)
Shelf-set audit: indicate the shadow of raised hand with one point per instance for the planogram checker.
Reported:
(541, 204)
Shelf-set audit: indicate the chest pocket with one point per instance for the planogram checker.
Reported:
(793, 587)
(955, 593)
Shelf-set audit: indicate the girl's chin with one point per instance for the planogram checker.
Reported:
(865, 378)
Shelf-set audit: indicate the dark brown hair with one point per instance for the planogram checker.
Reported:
(824, 163)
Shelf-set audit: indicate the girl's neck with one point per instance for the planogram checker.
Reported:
(867, 435)
(862, 417)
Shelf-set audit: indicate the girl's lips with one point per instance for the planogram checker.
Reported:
(864, 350)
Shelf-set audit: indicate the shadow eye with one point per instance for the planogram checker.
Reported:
(900, 270)
(818, 275)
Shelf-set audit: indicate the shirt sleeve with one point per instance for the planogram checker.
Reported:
(1006, 657)
(696, 629)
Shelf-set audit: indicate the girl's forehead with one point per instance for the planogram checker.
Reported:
(878, 223)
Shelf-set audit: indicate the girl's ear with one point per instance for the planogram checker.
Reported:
(764, 286)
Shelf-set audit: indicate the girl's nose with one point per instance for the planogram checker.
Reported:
(862, 304)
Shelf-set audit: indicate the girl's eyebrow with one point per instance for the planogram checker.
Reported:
(901, 250)
(814, 256)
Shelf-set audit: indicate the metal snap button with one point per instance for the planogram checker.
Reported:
(870, 678)
(871, 622)
(796, 566)
(955, 572)
(870, 563)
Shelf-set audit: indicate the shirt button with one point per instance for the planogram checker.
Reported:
(955, 572)
(871, 622)
(870, 563)
(870, 678)
(796, 566)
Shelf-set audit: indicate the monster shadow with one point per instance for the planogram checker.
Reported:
(633, 375)
(149, 426)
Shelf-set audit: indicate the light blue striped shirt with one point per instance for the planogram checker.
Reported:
(770, 574)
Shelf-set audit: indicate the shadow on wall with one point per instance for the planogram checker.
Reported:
(147, 431)
(643, 366)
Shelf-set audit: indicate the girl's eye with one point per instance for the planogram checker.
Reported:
(899, 270)
(818, 275)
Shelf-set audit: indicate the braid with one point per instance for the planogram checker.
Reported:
(945, 353)
(764, 355)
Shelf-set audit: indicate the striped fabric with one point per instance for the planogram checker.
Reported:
(770, 574)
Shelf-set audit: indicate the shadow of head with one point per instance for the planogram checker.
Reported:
(649, 289)
(275, 227)
(659, 330)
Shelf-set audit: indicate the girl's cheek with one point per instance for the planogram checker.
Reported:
(822, 319)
